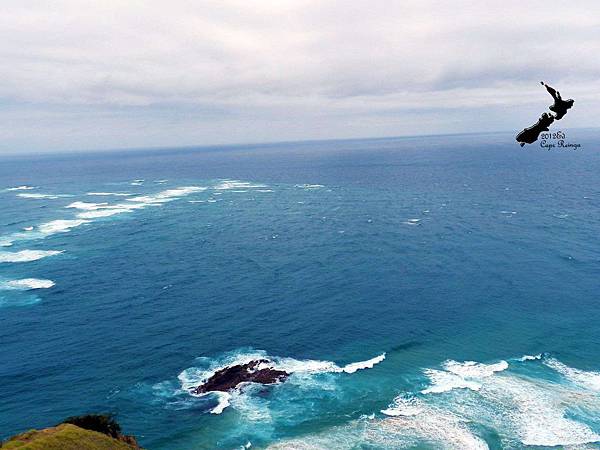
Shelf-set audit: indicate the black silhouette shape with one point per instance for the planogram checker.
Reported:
(531, 134)
(560, 106)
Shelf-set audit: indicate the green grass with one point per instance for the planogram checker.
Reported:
(64, 437)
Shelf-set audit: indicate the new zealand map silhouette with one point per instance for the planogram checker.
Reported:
(559, 108)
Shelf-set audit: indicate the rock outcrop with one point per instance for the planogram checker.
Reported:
(257, 371)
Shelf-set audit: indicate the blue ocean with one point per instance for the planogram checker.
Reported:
(434, 292)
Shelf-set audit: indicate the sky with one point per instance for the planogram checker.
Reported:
(106, 74)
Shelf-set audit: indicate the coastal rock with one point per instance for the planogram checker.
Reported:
(257, 371)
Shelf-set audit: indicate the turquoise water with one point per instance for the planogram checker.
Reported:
(433, 292)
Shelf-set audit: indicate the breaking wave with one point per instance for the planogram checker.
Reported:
(237, 184)
(38, 196)
(107, 194)
(300, 373)
(60, 226)
(476, 406)
(91, 211)
(20, 188)
(26, 255)
(524, 407)
(26, 284)
(587, 379)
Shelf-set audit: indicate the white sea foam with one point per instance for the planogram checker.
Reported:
(60, 226)
(27, 228)
(472, 369)
(26, 255)
(416, 420)
(39, 196)
(368, 364)
(99, 210)
(223, 398)
(532, 410)
(168, 195)
(442, 381)
(237, 184)
(106, 194)
(248, 403)
(404, 406)
(194, 376)
(536, 412)
(91, 211)
(458, 375)
(587, 379)
(21, 188)
(26, 284)
(102, 213)
(86, 206)
(530, 357)
(523, 411)
(440, 429)
(310, 186)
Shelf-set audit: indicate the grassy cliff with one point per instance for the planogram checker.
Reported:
(92, 432)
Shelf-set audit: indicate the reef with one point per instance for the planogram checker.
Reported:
(257, 371)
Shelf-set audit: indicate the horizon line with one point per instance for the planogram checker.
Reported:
(37, 153)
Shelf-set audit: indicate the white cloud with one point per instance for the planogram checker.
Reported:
(89, 73)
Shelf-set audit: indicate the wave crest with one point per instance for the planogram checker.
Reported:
(26, 255)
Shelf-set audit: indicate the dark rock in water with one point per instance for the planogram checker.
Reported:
(230, 377)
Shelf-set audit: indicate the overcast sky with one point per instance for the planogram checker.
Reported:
(117, 74)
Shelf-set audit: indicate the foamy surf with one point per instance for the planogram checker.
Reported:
(423, 424)
(26, 255)
(586, 379)
(167, 196)
(91, 211)
(60, 226)
(530, 357)
(533, 410)
(26, 284)
(309, 186)
(38, 196)
(237, 185)
(20, 188)
(298, 369)
(368, 364)
(108, 194)
(222, 402)
(458, 375)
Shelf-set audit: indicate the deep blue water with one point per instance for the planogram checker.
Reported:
(433, 251)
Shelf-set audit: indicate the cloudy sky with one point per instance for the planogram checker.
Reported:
(118, 74)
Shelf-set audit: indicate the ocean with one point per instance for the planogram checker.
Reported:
(427, 292)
